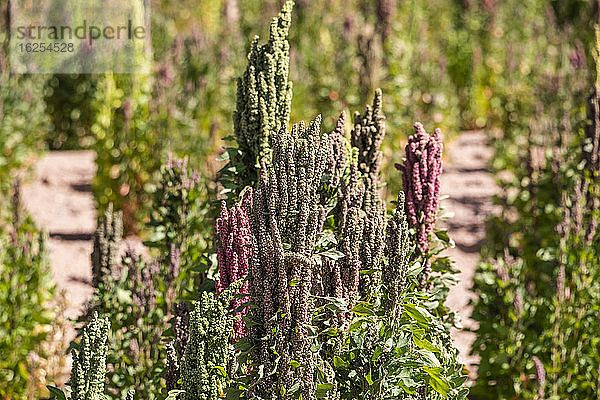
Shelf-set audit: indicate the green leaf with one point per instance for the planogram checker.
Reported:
(323, 389)
(425, 344)
(429, 358)
(221, 370)
(56, 393)
(363, 309)
(174, 393)
(443, 236)
(223, 157)
(368, 378)
(437, 381)
(418, 313)
(462, 394)
(340, 363)
(377, 353)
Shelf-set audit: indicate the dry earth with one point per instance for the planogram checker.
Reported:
(470, 188)
(60, 200)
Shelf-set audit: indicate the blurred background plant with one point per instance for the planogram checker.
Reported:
(536, 289)
(32, 323)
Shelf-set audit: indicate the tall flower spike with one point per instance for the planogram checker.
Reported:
(350, 265)
(591, 148)
(234, 251)
(172, 363)
(208, 349)
(421, 182)
(366, 137)
(398, 249)
(180, 326)
(264, 92)
(141, 280)
(540, 376)
(107, 242)
(286, 219)
(89, 363)
(336, 159)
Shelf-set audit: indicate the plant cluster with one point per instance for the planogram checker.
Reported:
(318, 230)
(139, 296)
(28, 313)
(300, 309)
(537, 332)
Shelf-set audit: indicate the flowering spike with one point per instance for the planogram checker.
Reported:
(89, 363)
(421, 182)
(234, 251)
(107, 242)
(286, 219)
(264, 91)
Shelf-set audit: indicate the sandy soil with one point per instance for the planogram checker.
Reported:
(60, 200)
(470, 189)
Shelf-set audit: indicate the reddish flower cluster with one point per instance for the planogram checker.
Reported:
(234, 252)
(421, 182)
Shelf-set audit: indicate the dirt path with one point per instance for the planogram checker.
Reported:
(470, 189)
(60, 200)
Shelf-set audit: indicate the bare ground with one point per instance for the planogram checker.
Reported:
(60, 200)
(470, 188)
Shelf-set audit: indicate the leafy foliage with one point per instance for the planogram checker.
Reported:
(126, 147)
(26, 292)
(533, 308)
(396, 346)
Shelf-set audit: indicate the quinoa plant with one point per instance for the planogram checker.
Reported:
(26, 293)
(536, 328)
(421, 182)
(264, 97)
(89, 363)
(302, 249)
(204, 367)
(234, 253)
(318, 233)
